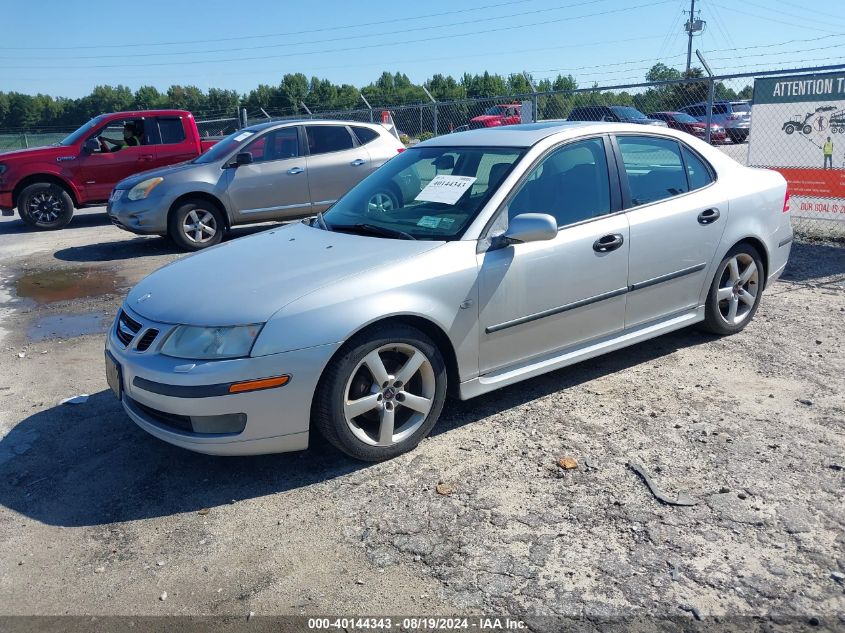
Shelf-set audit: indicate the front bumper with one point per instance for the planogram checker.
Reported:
(276, 420)
(6, 200)
(144, 217)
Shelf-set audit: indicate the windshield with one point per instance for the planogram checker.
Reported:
(428, 193)
(627, 112)
(77, 136)
(220, 150)
(682, 117)
(495, 110)
(741, 107)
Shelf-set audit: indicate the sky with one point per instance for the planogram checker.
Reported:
(65, 48)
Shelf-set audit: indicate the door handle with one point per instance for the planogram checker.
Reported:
(295, 170)
(708, 216)
(608, 243)
(145, 157)
(357, 162)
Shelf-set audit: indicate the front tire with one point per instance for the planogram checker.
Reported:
(382, 394)
(45, 206)
(735, 291)
(195, 225)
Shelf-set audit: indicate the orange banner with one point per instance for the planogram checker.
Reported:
(818, 183)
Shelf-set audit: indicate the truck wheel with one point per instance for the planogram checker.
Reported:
(195, 225)
(807, 130)
(45, 206)
(789, 129)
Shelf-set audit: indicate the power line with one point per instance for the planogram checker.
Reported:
(360, 47)
(264, 35)
(312, 41)
(733, 9)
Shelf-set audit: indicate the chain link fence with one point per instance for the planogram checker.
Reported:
(802, 136)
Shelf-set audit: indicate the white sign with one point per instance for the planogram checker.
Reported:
(445, 189)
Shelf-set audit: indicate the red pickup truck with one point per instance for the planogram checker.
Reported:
(47, 183)
(504, 114)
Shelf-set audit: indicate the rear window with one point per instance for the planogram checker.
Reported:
(172, 130)
(323, 139)
(365, 134)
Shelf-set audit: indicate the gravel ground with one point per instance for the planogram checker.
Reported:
(97, 517)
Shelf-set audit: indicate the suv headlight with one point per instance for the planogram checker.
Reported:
(2, 169)
(209, 343)
(144, 188)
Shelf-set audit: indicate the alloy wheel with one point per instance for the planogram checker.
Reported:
(380, 203)
(389, 394)
(739, 285)
(199, 226)
(44, 207)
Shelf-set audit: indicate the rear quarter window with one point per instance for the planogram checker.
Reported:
(365, 135)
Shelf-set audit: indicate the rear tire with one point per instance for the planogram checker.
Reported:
(45, 206)
(382, 394)
(735, 292)
(195, 225)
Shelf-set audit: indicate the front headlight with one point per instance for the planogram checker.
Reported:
(2, 169)
(207, 343)
(143, 188)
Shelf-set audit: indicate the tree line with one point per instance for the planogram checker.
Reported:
(295, 92)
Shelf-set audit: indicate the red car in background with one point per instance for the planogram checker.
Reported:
(46, 184)
(686, 123)
(503, 114)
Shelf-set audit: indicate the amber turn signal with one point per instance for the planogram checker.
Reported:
(261, 383)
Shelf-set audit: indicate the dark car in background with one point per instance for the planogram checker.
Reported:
(614, 113)
(686, 123)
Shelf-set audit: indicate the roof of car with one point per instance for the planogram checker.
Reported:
(259, 127)
(520, 135)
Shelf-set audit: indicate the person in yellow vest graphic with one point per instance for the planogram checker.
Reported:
(827, 148)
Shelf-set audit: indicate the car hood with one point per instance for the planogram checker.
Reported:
(128, 183)
(250, 279)
(48, 151)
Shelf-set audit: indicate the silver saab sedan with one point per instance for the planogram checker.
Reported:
(523, 249)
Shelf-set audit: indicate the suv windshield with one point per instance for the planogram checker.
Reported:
(627, 112)
(223, 148)
(77, 136)
(428, 193)
(495, 110)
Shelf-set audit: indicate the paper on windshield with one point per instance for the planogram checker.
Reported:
(445, 189)
(242, 136)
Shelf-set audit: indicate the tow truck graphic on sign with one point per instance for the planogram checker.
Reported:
(807, 126)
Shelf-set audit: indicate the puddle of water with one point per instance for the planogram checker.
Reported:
(68, 326)
(49, 286)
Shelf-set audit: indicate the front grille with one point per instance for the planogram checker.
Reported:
(126, 328)
(146, 340)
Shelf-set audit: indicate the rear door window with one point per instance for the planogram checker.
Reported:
(324, 139)
(171, 129)
(654, 168)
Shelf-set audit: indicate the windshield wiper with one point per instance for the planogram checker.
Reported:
(373, 230)
(321, 222)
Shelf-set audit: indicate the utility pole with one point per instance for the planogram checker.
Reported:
(694, 25)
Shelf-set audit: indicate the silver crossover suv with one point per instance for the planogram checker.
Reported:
(265, 172)
(526, 248)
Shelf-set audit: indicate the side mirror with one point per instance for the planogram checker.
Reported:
(610, 118)
(244, 158)
(90, 146)
(531, 227)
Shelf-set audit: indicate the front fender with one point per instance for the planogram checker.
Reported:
(439, 286)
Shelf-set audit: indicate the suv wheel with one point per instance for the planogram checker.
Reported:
(45, 206)
(195, 225)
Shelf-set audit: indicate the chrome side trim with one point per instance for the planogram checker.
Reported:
(669, 277)
(281, 208)
(552, 311)
(325, 201)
